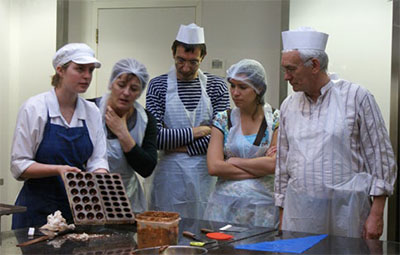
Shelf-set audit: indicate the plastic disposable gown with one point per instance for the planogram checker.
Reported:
(248, 202)
(333, 154)
(181, 182)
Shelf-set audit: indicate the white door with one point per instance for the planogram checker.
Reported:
(145, 34)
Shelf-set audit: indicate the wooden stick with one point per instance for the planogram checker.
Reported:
(36, 240)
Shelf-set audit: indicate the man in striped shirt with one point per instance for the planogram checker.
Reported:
(184, 102)
(334, 153)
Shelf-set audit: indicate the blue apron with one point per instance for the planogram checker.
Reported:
(43, 196)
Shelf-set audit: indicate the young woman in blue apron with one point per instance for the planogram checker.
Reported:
(241, 152)
(57, 132)
(131, 131)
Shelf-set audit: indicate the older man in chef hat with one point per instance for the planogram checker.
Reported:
(335, 164)
(184, 101)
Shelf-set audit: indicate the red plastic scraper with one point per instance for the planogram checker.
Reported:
(219, 236)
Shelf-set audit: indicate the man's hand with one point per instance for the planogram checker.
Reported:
(201, 131)
(373, 227)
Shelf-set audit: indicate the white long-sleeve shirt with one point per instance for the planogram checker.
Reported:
(32, 119)
(323, 143)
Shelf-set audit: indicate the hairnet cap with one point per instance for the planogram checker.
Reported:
(78, 53)
(190, 34)
(250, 72)
(304, 38)
(129, 66)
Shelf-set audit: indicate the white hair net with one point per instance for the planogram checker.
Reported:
(250, 72)
(129, 66)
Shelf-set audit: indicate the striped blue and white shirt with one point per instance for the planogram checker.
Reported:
(190, 94)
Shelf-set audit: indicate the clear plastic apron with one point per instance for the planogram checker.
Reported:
(332, 199)
(118, 162)
(248, 202)
(181, 182)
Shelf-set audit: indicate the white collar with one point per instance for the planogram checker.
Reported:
(54, 107)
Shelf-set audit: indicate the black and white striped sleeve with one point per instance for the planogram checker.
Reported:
(167, 139)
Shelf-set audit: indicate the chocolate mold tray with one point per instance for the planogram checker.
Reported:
(97, 199)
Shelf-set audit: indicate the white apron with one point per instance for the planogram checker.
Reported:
(118, 162)
(333, 199)
(181, 182)
(247, 202)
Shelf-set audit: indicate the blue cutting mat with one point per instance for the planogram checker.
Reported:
(297, 245)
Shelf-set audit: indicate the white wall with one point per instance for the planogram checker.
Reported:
(4, 81)
(29, 31)
(81, 30)
(6, 190)
(244, 29)
(359, 44)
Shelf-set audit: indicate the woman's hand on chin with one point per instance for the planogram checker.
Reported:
(116, 123)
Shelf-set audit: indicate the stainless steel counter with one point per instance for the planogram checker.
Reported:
(122, 240)
(329, 245)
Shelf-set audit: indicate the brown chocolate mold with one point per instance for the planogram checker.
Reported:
(98, 199)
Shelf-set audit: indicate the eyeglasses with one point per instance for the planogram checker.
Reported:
(192, 63)
(292, 69)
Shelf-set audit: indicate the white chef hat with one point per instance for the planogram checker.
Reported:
(304, 38)
(190, 34)
(78, 53)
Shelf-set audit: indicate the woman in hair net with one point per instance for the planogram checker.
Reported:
(131, 131)
(57, 132)
(242, 152)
